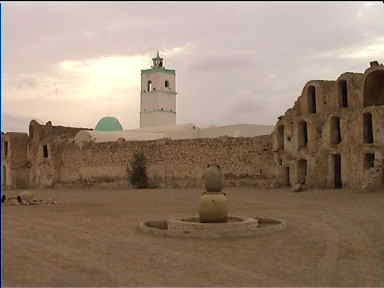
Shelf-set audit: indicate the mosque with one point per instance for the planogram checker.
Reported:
(158, 115)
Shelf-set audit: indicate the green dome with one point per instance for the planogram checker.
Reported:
(108, 124)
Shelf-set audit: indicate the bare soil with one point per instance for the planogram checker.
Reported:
(90, 238)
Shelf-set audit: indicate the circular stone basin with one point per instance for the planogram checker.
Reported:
(191, 227)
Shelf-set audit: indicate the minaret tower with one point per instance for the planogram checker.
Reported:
(158, 95)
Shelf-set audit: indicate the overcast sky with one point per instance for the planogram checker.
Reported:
(236, 62)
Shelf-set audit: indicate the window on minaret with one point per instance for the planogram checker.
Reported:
(149, 86)
(166, 84)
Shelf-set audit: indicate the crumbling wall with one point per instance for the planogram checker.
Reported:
(15, 161)
(44, 148)
(39, 132)
(333, 141)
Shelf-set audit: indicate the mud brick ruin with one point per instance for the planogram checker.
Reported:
(334, 134)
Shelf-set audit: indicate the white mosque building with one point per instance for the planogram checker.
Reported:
(158, 115)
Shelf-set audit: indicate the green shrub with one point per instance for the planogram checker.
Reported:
(138, 171)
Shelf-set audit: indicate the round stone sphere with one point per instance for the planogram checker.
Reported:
(213, 208)
(213, 179)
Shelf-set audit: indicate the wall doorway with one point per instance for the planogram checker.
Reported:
(4, 179)
(303, 134)
(287, 176)
(302, 171)
(367, 128)
(335, 130)
(312, 99)
(337, 171)
(280, 137)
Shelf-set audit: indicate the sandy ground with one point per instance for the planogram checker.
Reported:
(90, 238)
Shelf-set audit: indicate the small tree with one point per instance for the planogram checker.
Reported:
(138, 172)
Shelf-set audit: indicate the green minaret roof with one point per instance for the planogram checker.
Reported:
(108, 124)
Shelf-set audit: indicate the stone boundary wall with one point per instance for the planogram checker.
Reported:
(171, 163)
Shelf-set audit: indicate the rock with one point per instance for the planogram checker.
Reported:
(297, 188)
(25, 197)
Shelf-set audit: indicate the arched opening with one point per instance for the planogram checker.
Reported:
(374, 88)
(311, 99)
(335, 132)
(166, 84)
(149, 86)
(367, 128)
(302, 134)
(302, 171)
(343, 93)
(280, 137)
(45, 151)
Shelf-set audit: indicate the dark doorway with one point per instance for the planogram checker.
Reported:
(335, 130)
(280, 137)
(45, 151)
(343, 93)
(367, 128)
(302, 171)
(5, 149)
(287, 176)
(337, 171)
(4, 180)
(303, 134)
(369, 160)
(312, 99)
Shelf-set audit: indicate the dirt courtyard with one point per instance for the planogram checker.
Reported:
(90, 238)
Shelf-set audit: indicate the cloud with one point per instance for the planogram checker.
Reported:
(74, 63)
(374, 49)
(217, 63)
(244, 110)
(107, 84)
(186, 49)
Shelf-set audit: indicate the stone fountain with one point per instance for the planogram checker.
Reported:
(213, 220)
(213, 202)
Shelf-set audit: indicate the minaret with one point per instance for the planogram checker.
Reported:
(158, 95)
